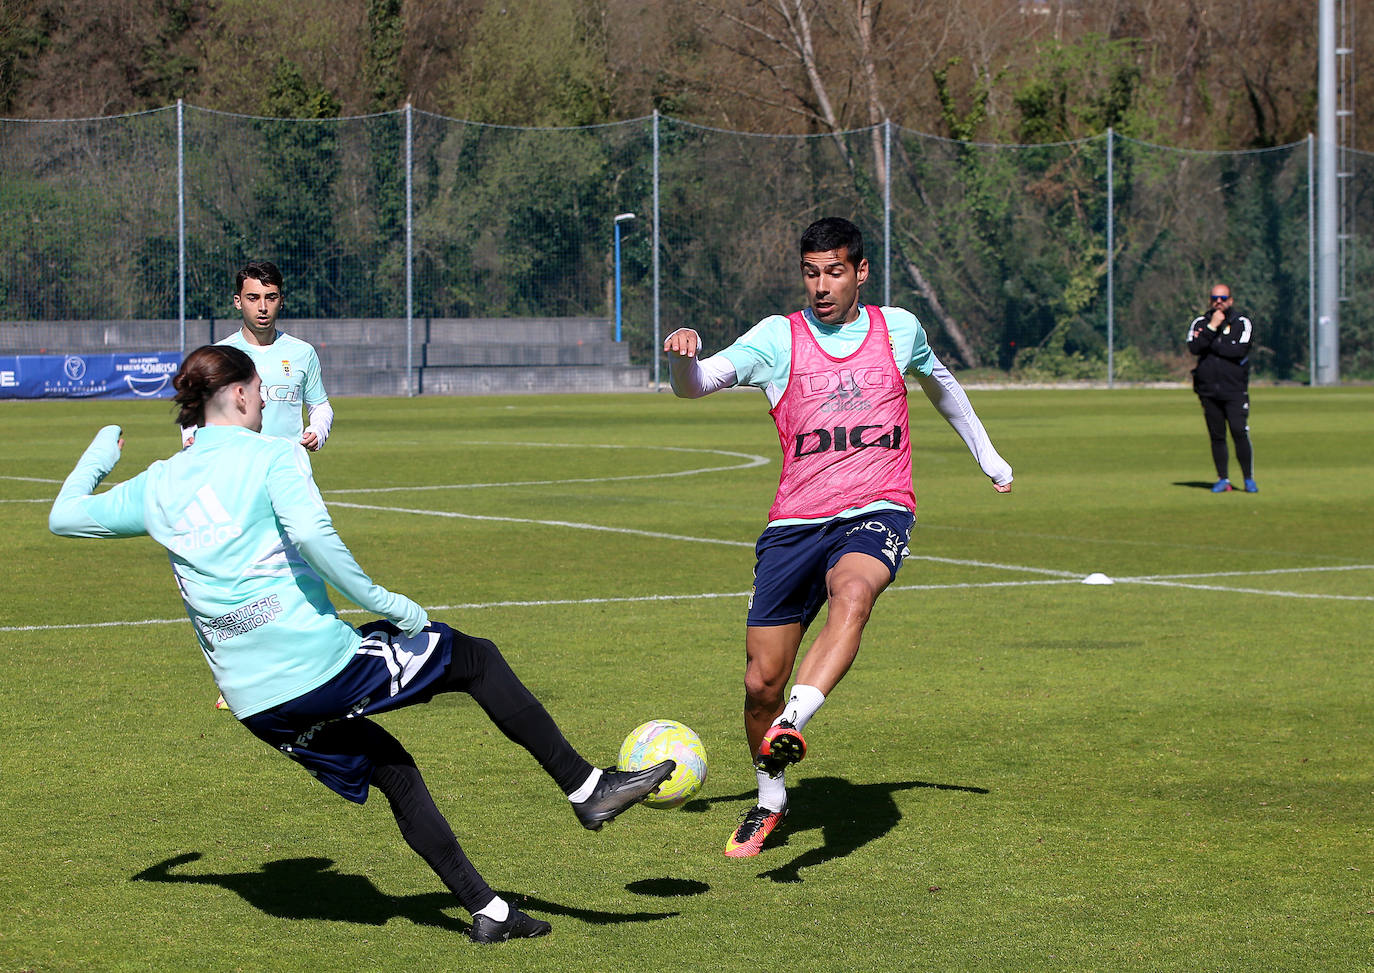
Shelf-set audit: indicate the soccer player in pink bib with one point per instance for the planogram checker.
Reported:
(838, 528)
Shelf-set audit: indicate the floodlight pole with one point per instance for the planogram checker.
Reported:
(1327, 366)
(622, 218)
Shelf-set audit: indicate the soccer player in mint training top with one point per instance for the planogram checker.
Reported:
(252, 545)
(289, 367)
(838, 529)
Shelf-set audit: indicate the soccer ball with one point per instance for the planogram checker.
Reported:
(660, 740)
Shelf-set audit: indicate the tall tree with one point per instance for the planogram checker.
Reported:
(533, 64)
(825, 63)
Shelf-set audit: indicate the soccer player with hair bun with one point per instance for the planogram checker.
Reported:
(252, 546)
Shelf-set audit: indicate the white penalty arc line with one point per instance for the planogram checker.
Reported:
(751, 460)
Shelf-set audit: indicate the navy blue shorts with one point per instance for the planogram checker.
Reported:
(390, 670)
(792, 562)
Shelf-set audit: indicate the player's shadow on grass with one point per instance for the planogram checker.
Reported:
(1196, 484)
(308, 888)
(847, 815)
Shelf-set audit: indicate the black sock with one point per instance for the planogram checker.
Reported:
(424, 828)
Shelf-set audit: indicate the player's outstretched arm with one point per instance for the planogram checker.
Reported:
(78, 513)
(950, 400)
(690, 376)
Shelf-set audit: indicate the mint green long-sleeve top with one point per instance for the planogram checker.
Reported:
(251, 544)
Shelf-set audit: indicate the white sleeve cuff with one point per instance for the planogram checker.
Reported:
(321, 421)
(694, 377)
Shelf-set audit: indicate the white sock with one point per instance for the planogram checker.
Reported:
(801, 706)
(772, 791)
(498, 909)
(588, 785)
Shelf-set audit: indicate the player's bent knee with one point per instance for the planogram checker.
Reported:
(762, 692)
(853, 600)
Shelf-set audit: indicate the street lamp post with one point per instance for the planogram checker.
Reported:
(622, 218)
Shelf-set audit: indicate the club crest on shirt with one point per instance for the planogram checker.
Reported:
(285, 366)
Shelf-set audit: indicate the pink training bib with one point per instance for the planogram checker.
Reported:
(843, 426)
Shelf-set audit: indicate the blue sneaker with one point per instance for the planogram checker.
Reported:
(1251, 486)
(1222, 486)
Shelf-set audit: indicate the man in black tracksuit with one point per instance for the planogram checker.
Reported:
(1221, 340)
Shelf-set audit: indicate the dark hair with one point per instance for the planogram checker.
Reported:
(263, 270)
(204, 372)
(834, 233)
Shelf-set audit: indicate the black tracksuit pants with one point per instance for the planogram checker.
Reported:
(1235, 414)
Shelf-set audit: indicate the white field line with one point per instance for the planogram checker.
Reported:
(1320, 595)
(1112, 541)
(751, 461)
(1056, 576)
(543, 523)
(1061, 578)
(1248, 574)
(543, 603)
(29, 479)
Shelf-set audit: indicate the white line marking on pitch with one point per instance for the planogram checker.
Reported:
(751, 461)
(543, 523)
(541, 603)
(1249, 574)
(1068, 576)
(1322, 595)
(1112, 541)
(1159, 581)
(30, 479)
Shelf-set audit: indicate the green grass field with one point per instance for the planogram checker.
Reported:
(1022, 772)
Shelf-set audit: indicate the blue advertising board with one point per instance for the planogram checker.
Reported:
(131, 375)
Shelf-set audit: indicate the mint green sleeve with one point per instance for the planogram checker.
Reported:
(78, 513)
(902, 326)
(302, 513)
(314, 380)
(759, 353)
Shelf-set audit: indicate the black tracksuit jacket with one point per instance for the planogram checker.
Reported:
(1223, 356)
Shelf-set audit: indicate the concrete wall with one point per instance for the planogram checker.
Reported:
(367, 356)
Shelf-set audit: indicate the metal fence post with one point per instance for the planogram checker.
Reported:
(658, 341)
(1311, 267)
(887, 212)
(181, 224)
(1111, 281)
(410, 255)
